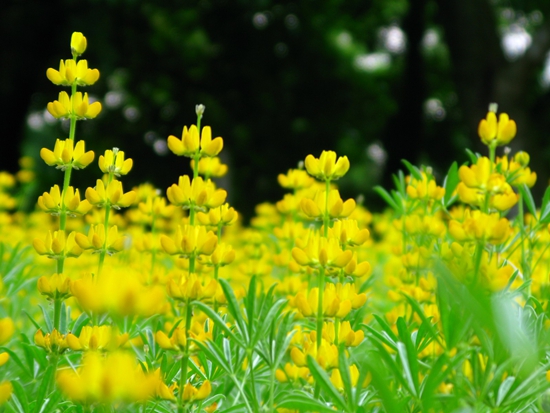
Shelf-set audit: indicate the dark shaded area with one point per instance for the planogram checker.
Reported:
(279, 80)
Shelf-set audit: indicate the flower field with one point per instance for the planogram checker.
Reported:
(161, 300)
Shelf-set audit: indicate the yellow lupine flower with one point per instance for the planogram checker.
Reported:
(162, 390)
(425, 188)
(210, 167)
(78, 43)
(295, 179)
(321, 252)
(292, 373)
(6, 389)
(192, 287)
(355, 269)
(7, 328)
(501, 133)
(71, 72)
(348, 232)
(326, 167)
(96, 239)
(4, 357)
(112, 195)
(77, 105)
(516, 170)
(56, 287)
(190, 240)
(65, 154)
(113, 162)
(223, 255)
(57, 245)
(192, 393)
(222, 215)
(198, 194)
(346, 335)
(333, 306)
(177, 342)
(53, 342)
(7, 180)
(190, 145)
(51, 202)
(156, 206)
(116, 377)
(336, 378)
(478, 226)
(96, 338)
(326, 355)
(337, 208)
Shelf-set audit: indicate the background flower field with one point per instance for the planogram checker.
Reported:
(161, 299)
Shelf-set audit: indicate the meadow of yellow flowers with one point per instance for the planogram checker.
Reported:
(130, 300)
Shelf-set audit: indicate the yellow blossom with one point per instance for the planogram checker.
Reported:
(322, 252)
(336, 378)
(197, 194)
(113, 162)
(348, 232)
(51, 202)
(6, 389)
(190, 145)
(96, 338)
(65, 155)
(333, 205)
(57, 245)
(326, 167)
(326, 355)
(77, 106)
(192, 287)
(210, 167)
(98, 240)
(222, 215)
(112, 195)
(292, 373)
(56, 287)
(295, 179)
(78, 43)
(426, 188)
(53, 342)
(192, 393)
(7, 328)
(480, 227)
(498, 133)
(190, 240)
(4, 357)
(71, 72)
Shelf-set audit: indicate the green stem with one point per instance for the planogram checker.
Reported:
(57, 313)
(185, 357)
(477, 259)
(326, 217)
(320, 307)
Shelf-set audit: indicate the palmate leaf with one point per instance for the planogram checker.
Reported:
(408, 355)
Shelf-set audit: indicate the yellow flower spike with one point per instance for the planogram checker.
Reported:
(349, 337)
(336, 378)
(156, 206)
(337, 208)
(295, 179)
(57, 286)
(190, 240)
(78, 43)
(481, 227)
(60, 108)
(348, 232)
(192, 288)
(425, 188)
(113, 162)
(4, 357)
(7, 328)
(6, 389)
(197, 194)
(326, 167)
(56, 245)
(211, 167)
(210, 147)
(223, 255)
(94, 338)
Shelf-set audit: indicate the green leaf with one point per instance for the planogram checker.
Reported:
(504, 388)
(80, 322)
(321, 379)
(406, 358)
(343, 367)
(528, 198)
(450, 183)
(219, 322)
(249, 304)
(43, 389)
(47, 319)
(303, 402)
(545, 207)
(234, 309)
(387, 197)
(21, 394)
(33, 321)
(415, 172)
(473, 156)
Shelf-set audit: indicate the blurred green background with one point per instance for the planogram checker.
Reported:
(376, 80)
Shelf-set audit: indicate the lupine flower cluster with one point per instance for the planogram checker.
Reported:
(159, 300)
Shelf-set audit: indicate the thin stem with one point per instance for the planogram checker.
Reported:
(57, 313)
(185, 358)
(320, 307)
